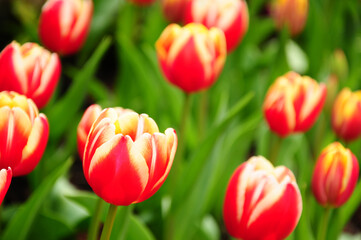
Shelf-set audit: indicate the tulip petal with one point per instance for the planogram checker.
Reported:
(5, 180)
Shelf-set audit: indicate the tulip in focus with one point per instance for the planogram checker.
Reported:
(191, 57)
(86, 122)
(173, 10)
(335, 175)
(142, 2)
(5, 180)
(293, 103)
(346, 115)
(291, 14)
(64, 24)
(262, 202)
(29, 70)
(23, 133)
(231, 16)
(126, 158)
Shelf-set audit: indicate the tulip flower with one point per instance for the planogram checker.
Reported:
(291, 14)
(29, 70)
(262, 202)
(126, 158)
(335, 175)
(173, 10)
(231, 16)
(64, 24)
(293, 103)
(191, 57)
(86, 122)
(346, 115)
(23, 133)
(142, 2)
(5, 180)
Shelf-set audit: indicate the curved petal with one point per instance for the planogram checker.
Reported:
(5, 180)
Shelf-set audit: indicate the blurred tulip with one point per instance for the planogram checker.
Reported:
(142, 2)
(23, 133)
(231, 16)
(332, 83)
(335, 175)
(293, 103)
(173, 10)
(291, 14)
(86, 122)
(126, 158)
(191, 57)
(29, 70)
(256, 195)
(64, 24)
(339, 65)
(5, 180)
(346, 114)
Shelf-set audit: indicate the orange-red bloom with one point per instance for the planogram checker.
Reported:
(126, 158)
(293, 103)
(346, 114)
(191, 57)
(173, 10)
(231, 16)
(335, 175)
(30, 70)
(23, 133)
(64, 24)
(262, 202)
(5, 180)
(291, 14)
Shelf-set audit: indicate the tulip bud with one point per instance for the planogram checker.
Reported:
(346, 114)
(23, 133)
(173, 10)
(335, 175)
(86, 122)
(231, 16)
(191, 57)
(262, 202)
(291, 14)
(29, 70)
(142, 2)
(126, 158)
(64, 24)
(5, 180)
(293, 103)
(339, 65)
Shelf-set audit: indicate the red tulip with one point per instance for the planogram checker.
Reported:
(86, 122)
(293, 103)
(29, 70)
(231, 16)
(173, 10)
(23, 133)
(5, 180)
(291, 14)
(262, 202)
(142, 2)
(191, 57)
(335, 175)
(126, 158)
(346, 115)
(64, 24)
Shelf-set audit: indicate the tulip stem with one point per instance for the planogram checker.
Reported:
(203, 113)
(275, 145)
(93, 232)
(108, 225)
(322, 229)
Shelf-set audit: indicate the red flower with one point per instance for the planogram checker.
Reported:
(29, 70)
(126, 159)
(64, 24)
(23, 133)
(231, 16)
(173, 10)
(293, 103)
(257, 194)
(191, 57)
(5, 180)
(335, 175)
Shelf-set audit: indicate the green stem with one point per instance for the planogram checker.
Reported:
(322, 229)
(203, 113)
(125, 220)
(276, 143)
(108, 225)
(93, 232)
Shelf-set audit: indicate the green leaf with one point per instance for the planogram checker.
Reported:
(137, 230)
(62, 113)
(19, 226)
(85, 199)
(296, 58)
